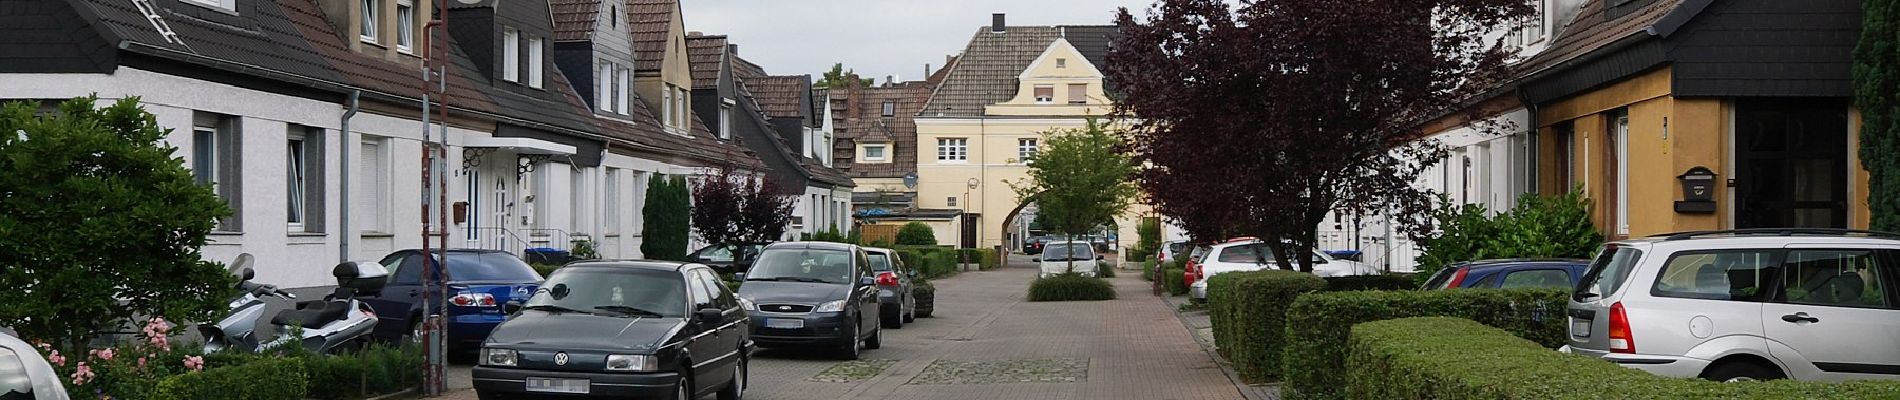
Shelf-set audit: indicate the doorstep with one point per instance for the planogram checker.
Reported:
(1198, 324)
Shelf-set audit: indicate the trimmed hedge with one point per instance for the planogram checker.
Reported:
(1104, 269)
(931, 261)
(271, 379)
(1318, 325)
(1248, 310)
(1071, 287)
(1175, 281)
(926, 296)
(1148, 269)
(985, 259)
(1454, 358)
(1370, 282)
(373, 371)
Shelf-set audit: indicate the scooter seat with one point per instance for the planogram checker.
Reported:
(313, 317)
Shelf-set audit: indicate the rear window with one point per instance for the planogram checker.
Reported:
(490, 267)
(1441, 278)
(1608, 273)
(1715, 275)
(1068, 251)
(1536, 278)
(880, 262)
(1176, 247)
(1245, 254)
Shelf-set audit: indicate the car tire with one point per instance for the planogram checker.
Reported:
(894, 320)
(488, 396)
(855, 346)
(735, 390)
(1741, 372)
(911, 316)
(683, 390)
(876, 341)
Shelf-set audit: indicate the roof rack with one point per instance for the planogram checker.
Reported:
(1777, 232)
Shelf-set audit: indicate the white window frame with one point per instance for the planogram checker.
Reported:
(610, 202)
(1062, 63)
(605, 96)
(374, 153)
(1026, 149)
(725, 121)
(371, 25)
(296, 180)
(620, 93)
(226, 5)
(889, 109)
(881, 151)
(510, 54)
(218, 161)
(666, 107)
(1534, 28)
(1040, 99)
(953, 150)
(535, 61)
(406, 26)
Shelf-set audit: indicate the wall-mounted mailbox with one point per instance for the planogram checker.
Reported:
(1698, 191)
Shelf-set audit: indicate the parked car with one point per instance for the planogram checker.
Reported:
(1806, 304)
(1509, 273)
(1033, 245)
(1059, 257)
(726, 258)
(25, 375)
(814, 294)
(1254, 255)
(480, 283)
(1194, 263)
(894, 281)
(1171, 250)
(620, 329)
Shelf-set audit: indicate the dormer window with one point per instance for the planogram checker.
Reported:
(1045, 94)
(372, 11)
(510, 55)
(1062, 63)
(534, 62)
(890, 109)
(405, 25)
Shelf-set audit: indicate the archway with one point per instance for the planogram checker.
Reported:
(1009, 220)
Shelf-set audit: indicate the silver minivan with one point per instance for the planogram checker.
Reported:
(1805, 304)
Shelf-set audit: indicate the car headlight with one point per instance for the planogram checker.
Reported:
(831, 306)
(498, 357)
(633, 362)
(747, 304)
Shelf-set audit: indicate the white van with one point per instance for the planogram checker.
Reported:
(1058, 257)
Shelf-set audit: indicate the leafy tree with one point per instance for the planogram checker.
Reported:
(1148, 239)
(839, 78)
(1877, 76)
(718, 204)
(668, 212)
(1539, 227)
(1081, 179)
(103, 223)
(766, 212)
(916, 234)
(1254, 121)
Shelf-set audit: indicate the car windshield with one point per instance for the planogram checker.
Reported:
(636, 292)
(490, 267)
(802, 265)
(880, 261)
(1068, 251)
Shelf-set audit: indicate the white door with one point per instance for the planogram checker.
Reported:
(1835, 315)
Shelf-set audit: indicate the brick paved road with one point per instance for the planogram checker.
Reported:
(1135, 348)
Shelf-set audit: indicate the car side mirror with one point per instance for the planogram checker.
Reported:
(711, 315)
(738, 276)
(512, 307)
(1037, 259)
(869, 281)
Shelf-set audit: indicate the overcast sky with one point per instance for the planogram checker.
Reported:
(875, 37)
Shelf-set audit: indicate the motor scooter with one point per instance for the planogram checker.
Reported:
(334, 324)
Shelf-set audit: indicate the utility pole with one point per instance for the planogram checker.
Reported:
(435, 71)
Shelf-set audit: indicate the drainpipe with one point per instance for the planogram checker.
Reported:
(343, 169)
(1530, 109)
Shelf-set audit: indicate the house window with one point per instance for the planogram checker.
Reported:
(372, 9)
(510, 55)
(666, 107)
(684, 107)
(1534, 27)
(874, 152)
(534, 62)
(606, 92)
(610, 202)
(613, 16)
(890, 108)
(1078, 93)
(950, 201)
(577, 200)
(405, 25)
(227, 5)
(620, 101)
(1062, 63)
(216, 162)
(1045, 94)
(639, 200)
(1025, 149)
(953, 149)
(303, 179)
(373, 165)
(725, 122)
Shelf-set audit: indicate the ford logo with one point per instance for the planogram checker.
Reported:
(560, 358)
(785, 308)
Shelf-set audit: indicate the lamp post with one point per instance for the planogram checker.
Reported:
(963, 256)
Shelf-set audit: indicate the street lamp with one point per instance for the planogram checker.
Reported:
(963, 256)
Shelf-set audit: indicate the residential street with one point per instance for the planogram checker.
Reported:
(1130, 348)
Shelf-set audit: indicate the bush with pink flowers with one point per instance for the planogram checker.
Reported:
(127, 371)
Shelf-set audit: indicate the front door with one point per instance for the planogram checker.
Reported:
(1791, 163)
(969, 231)
(1835, 312)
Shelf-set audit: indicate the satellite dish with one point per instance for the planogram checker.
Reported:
(910, 180)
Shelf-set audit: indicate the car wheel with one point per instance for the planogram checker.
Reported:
(683, 390)
(736, 389)
(855, 348)
(893, 320)
(1741, 372)
(911, 316)
(876, 341)
(414, 335)
(488, 396)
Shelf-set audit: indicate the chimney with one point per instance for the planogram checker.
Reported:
(732, 50)
(890, 80)
(926, 70)
(996, 23)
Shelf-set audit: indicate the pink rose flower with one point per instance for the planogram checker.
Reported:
(141, 362)
(83, 374)
(105, 354)
(195, 363)
(56, 359)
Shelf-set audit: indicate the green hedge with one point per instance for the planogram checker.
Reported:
(925, 294)
(1148, 269)
(270, 379)
(1370, 282)
(373, 371)
(1454, 358)
(1105, 269)
(985, 259)
(1071, 287)
(1175, 282)
(1248, 310)
(1318, 325)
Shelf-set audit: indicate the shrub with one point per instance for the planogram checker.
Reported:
(667, 212)
(985, 259)
(1318, 325)
(828, 235)
(1538, 227)
(372, 371)
(1175, 281)
(1370, 282)
(1248, 311)
(940, 264)
(1071, 287)
(1148, 233)
(925, 294)
(544, 269)
(267, 379)
(916, 234)
(1148, 269)
(1452, 358)
(1105, 269)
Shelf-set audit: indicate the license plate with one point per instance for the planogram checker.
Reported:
(1580, 328)
(553, 385)
(781, 323)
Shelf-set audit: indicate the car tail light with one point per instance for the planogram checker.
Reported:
(473, 299)
(1620, 339)
(887, 278)
(1457, 278)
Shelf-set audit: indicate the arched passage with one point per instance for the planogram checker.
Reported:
(1009, 220)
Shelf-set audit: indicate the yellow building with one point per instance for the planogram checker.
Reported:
(983, 124)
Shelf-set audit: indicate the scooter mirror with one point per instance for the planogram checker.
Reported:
(241, 267)
(247, 274)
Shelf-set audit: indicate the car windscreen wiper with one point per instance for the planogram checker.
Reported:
(789, 279)
(627, 310)
(550, 307)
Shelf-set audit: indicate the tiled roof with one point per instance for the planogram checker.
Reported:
(703, 53)
(781, 96)
(857, 116)
(574, 19)
(986, 72)
(651, 21)
(746, 69)
(1593, 29)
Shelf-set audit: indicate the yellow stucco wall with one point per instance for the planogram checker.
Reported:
(993, 162)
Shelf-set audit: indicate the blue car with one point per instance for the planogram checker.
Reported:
(480, 283)
(1510, 273)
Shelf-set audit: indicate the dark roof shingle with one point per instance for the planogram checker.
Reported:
(574, 19)
(651, 21)
(703, 54)
(857, 117)
(781, 96)
(1593, 29)
(986, 72)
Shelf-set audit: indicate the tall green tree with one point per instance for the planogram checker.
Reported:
(668, 216)
(102, 223)
(1081, 178)
(1877, 77)
(839, 78)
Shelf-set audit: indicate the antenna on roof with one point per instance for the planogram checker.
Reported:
(1062, 32)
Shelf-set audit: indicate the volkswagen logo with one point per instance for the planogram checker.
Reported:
(560, 358)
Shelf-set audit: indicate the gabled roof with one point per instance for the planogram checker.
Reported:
(781, 96)
(986, 72)
(704, 53)
(652, 22)
(746, 69)
(857, 117)
(1595, 29)
(574, 19)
